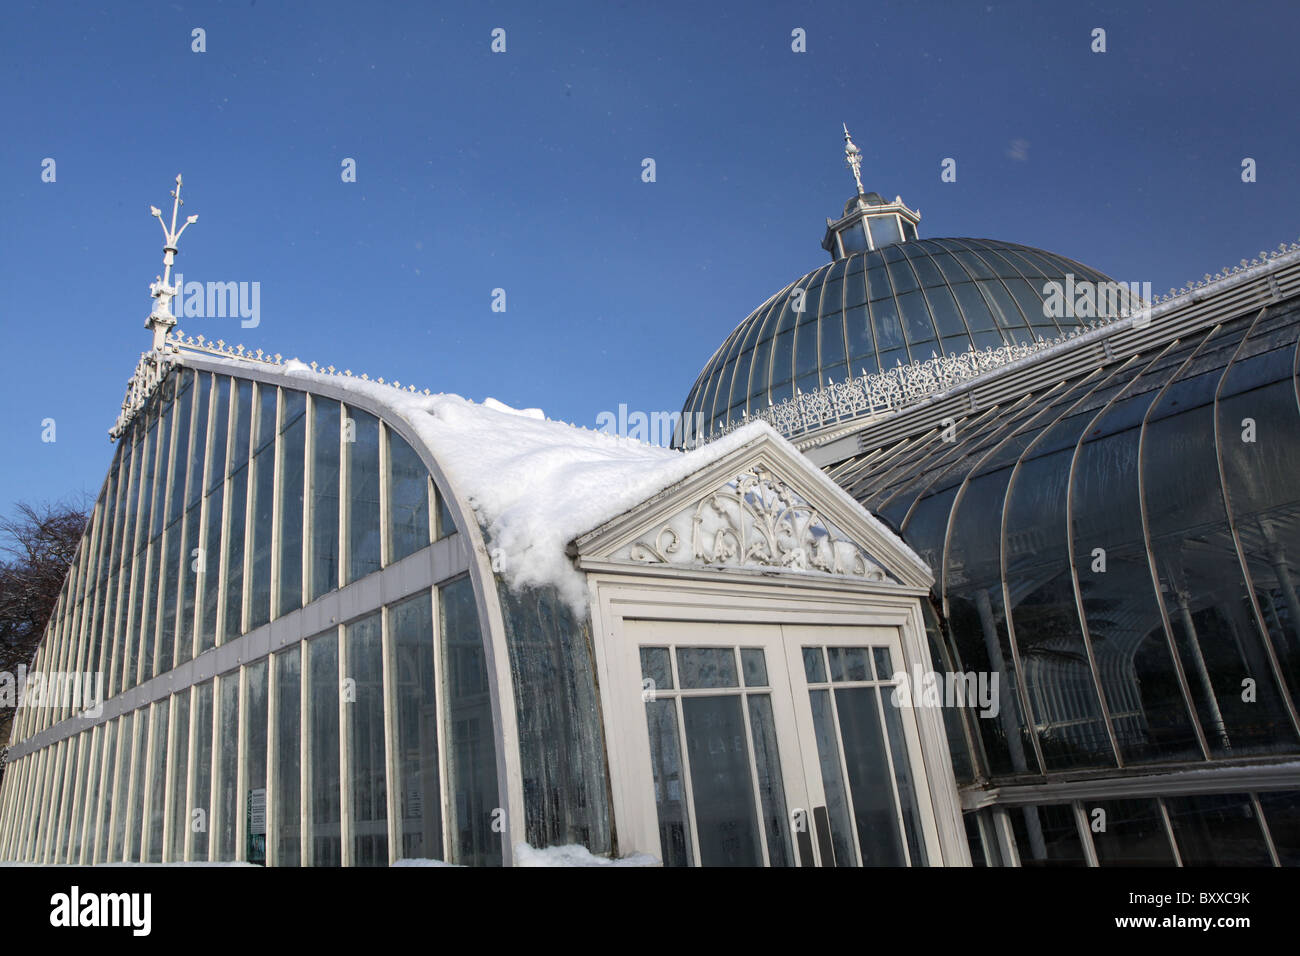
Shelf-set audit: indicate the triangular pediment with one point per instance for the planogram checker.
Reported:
(763, 507)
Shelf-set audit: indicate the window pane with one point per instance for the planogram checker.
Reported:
(1282, 813)
(254, 756)
(139, 777)
(260, 504)
(323, 741)
(771, 790)
(293, 439)
(408, 499)
(1047, 835)
(366, 760)
(234, 551)
(228, 742)
(361, 447)
(420, 797)
(288, 741)
(721, 784)
(707, 667)
(869, 777)
(179, 773)
(1129, 833)
(1217, 830)
(471, 763)
(202, 798)
(324, 497)
(158, 779)
(670, 795)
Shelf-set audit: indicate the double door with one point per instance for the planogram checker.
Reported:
(781, 745)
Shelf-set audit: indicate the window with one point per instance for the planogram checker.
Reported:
(416, 696)
(288, 759)
(323, 821)
(361, 443)
(408, 499)
(324, 558)
(366, 758)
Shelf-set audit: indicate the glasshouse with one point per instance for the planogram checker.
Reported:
(979, 558)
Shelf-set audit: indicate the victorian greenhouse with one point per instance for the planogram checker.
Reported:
(974, 549)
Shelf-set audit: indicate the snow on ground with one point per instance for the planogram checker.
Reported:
(575, 855)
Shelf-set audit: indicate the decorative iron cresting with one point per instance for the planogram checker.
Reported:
(756, 520)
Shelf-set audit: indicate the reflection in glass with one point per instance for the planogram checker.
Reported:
(366, 759)
(721, 784)
(670, 788)
(420, 796)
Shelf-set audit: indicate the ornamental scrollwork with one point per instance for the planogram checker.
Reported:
(757, 521)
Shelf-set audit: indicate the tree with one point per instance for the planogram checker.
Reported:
(37, 544)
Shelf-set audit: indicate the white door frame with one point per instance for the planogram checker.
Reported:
(707, 596)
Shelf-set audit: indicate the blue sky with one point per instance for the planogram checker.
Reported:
(522, 170)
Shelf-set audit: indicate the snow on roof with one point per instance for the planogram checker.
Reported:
(536, 484)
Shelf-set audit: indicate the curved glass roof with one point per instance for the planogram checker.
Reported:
(872, 311)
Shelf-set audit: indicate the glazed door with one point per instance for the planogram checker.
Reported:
(774, 745)
(870, 801)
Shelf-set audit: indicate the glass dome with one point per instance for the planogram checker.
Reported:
(873, 310)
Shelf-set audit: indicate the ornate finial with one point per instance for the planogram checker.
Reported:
(853, 156)
(161, 320)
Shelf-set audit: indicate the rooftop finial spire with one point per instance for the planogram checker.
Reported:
(853, 156)
(161, 320)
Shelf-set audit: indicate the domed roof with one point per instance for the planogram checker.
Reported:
(871, 311)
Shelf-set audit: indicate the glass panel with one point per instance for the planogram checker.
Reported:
(325, 437)
(288, 757)
(228, 742)
(884, 668)
(361, 446)
(254, 756)
(837, 805)
(420, 797)
(884, 230)
(656, 666)
(913, 826)
(1047, 835)
(670, 795)
(721, 785)
(1217, 830)
(446, 524)
(869, 776)
(323, 783)
(771, 789)
(233, 555)
(293, 441)
(260, 504)
(158, 779)
(366, 760)
(471, 762)
(707, 667)
(179, 772)
(408, 499)
(1129, 833)
(1282, 814)
(754, 664)
(202, 798)
(814, 665)
(849, 663)
(139, 777)
(104, 794)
